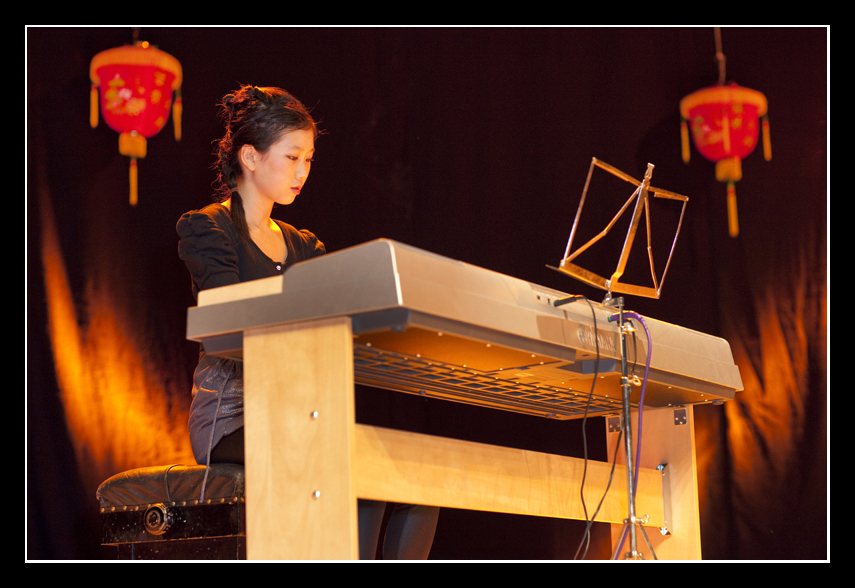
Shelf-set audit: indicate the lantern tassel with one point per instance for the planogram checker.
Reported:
(767, 141)
(177, 108)
(732, 218)
(133, 181)
(133, 145)
(684, 136)
(93, 106)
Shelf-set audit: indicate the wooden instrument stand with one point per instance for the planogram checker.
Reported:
(307, 460)
(392, 316)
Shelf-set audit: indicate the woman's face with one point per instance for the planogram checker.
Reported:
(279, 173)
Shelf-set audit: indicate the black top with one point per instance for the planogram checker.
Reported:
(215, 255)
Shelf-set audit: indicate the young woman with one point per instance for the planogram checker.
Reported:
(264, 158)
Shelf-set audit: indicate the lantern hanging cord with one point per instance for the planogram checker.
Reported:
(719, 55)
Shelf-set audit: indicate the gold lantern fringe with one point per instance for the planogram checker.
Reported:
(730, 170)
(134, 197)
(133, 145)
(93, 106)
(732, 216)
(177, 109)
(767, 140)
(684, 139)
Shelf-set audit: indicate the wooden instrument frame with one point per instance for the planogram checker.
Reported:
(308, 461)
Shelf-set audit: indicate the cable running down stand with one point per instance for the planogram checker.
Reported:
(613, 284)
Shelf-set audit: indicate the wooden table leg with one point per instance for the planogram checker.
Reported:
(668, 438)
(299, 422)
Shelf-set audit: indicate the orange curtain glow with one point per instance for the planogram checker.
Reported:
(115, 409)
(763, 458)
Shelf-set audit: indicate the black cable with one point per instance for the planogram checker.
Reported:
(600, 504)
(166, 481)
(210, 447)
(634, 481)
(586, 538)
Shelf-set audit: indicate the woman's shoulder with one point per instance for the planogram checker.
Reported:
(208, 246)
(215, 216)
(305, 241)
(214, 211)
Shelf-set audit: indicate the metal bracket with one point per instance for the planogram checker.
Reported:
(613, 424)
(666, 497)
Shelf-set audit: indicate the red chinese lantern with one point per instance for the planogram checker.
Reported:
(725, 123)
(136, 84)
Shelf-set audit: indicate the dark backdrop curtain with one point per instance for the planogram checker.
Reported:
(471, 143)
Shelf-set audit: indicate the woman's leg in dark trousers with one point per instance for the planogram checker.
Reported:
(409, 533)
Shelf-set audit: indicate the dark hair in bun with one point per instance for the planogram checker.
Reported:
(258, 117)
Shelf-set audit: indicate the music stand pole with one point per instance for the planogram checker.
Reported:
(631, 521)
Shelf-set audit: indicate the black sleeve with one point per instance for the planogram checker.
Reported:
(208, 249)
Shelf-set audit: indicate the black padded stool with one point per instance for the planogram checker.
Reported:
(157, 513)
